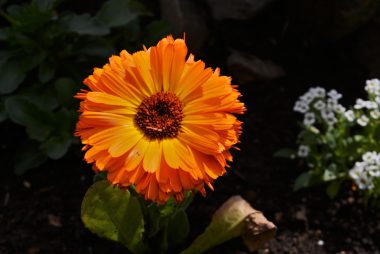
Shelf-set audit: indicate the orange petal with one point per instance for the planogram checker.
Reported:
(201, 138)
(125, 142)
(136, 154)
(152, 156)
(100, 97)
(170, 153)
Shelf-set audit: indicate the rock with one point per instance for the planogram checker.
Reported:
(247, 68)
(185, 16)
(237, 9)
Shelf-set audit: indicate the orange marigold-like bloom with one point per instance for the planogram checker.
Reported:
(159, 121)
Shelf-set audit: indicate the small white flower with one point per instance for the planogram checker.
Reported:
(303, 151)
(329, 117)
(360, 177)
(373, 170)
(375, 114)
(309, 119)
(301, 107)
(307, 98)
(331, 103)
(350, 115)
(370, 105)
(339, 109)
(364, 172)
(318, 92)
(319, 105)
(360, 103)
(333, 94)
(373, 86)
(377, 100)
(363, 120)
(370, 157)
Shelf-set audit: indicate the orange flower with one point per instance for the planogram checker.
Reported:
(159, 121)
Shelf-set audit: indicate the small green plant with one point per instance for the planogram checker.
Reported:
(44, 53)
(339, 145)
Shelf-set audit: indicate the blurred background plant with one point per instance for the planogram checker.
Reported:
(339, 145)
(46, 52)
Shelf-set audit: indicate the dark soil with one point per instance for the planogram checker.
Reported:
(40, 211)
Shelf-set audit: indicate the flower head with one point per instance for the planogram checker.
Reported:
(373, 86)
(363, 120)
(301, 107)
(309, 119)
(319, 105)
(349, 115)
(364, 172)
(333, 94)
(375, 114)
(159, 121)
(303, 151)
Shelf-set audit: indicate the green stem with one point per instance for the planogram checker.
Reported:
(11, 20)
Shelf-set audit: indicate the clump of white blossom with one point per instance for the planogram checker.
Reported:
(364, 172)
(368, 109)
(333, 139)
(317, 105)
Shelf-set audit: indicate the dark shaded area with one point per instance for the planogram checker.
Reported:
(40, 211)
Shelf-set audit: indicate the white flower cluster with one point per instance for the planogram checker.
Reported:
(372, 86)
(303, 151)
(372, 105)
(316, 104)
(364, 172)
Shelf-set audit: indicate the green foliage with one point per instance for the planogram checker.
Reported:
(340, 145)
(46, 53)
(115, 214)
(167, 225)
(123, 216)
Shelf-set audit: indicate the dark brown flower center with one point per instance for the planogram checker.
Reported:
(160, 116)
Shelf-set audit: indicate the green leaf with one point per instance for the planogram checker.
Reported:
(56, 146)
(11, 76)
(284, 153)
(178, 228)
(303, 180)
(333, 188)
(113, 213)
(44, 99)
(30, 62)
(30, 17)
(28, 157)
(84, 25)
(38, 123)
(65, 89)
(116, 13)
(46, 72)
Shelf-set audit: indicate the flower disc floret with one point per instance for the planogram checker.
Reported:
(160, 116)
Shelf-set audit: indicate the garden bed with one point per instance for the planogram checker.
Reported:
(40, 210)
